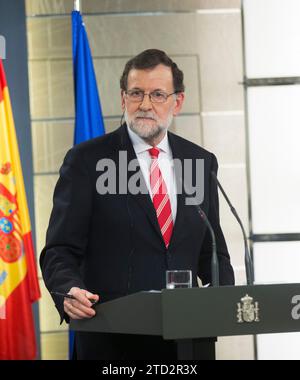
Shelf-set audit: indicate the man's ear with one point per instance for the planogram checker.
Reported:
(123, 100)
(179, 103)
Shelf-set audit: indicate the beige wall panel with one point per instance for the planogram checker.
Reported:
(240, 272)
(35, 7)
(225, 136)
(221, 70)
(39, 89)
(49, 38)
(190, 67)
(236, 250)
(112, 124)
(108, 72)
(188, 127)
(49, 316)
(129, 34)
(40, 147)
(38, 37)
(155, 5)
(43, 193)
(51, 89)
(51, 141)
(60, 37)
(62, 89)
(219, 4)
(235, 348)
(55, 346)
(233, 180)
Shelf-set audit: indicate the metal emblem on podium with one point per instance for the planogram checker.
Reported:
(247, 311)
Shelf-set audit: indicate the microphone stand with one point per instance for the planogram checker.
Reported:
(248, 261)
(214, 258)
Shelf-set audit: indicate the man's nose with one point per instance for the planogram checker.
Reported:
(146, 104)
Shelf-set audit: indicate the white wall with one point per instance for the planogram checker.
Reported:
(272, 49)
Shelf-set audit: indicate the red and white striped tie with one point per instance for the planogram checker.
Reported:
(160, 198)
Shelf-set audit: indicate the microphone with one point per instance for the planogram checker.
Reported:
(214, 258)
(248, 261)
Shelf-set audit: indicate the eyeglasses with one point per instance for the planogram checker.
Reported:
(155, 96)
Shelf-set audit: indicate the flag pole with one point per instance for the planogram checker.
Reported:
(77, 5)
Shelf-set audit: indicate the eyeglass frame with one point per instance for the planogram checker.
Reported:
(149, 94)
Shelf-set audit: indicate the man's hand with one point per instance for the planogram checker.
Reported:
(80, 307)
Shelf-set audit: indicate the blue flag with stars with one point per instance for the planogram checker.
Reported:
(88, 113)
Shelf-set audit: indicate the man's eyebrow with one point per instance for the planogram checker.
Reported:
(139, 89)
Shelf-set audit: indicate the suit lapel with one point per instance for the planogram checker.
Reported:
(144, 200)
(179, 225)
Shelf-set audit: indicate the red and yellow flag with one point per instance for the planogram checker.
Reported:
(18, 277)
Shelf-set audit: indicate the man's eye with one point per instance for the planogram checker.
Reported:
(158, 94)
(135, 93)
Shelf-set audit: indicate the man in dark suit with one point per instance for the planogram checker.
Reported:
(106, 240)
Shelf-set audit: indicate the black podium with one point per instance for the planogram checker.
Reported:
(193, 316)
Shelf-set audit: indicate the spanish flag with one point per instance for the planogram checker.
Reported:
(19, 286)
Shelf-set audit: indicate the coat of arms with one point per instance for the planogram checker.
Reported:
(247, 311)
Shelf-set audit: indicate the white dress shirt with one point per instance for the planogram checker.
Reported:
(165, 163)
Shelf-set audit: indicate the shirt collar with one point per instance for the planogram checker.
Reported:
(140, 145)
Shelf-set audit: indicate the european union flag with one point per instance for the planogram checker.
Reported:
(88, 119)
(88, 113)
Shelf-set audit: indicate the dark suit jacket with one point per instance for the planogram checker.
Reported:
(112, 244)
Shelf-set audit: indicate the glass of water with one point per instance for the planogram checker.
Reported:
(178, 279)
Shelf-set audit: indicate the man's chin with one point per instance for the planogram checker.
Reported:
(145, 124)
(145, 131)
